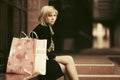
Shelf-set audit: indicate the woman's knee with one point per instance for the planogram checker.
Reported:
(66, 59)
(69, 58)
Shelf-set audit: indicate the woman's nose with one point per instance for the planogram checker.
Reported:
(53, 18)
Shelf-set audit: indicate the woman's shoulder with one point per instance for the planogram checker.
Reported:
(39, 26)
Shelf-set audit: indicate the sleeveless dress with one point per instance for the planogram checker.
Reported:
(53, 70)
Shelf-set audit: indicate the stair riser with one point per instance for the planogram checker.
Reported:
(95, 69)
(98, 78)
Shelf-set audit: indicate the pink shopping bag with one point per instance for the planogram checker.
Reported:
(27, 56)
(4, 76)
(20, 77)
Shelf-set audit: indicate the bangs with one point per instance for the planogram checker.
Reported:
(50, 10)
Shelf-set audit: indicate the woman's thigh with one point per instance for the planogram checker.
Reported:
(65, 59)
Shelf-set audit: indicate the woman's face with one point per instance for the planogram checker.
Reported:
(51, 18)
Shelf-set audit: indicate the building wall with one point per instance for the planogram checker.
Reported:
(117, 36)
(34, 7)
(17, 15)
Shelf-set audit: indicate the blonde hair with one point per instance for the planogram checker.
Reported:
(46, 11)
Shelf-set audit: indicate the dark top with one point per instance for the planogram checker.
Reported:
(43, 32)
(53, 70)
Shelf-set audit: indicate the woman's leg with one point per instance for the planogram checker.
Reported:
(69, 64)
(63, 68)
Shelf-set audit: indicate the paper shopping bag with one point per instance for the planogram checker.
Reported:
(20, 77)
(27, 56)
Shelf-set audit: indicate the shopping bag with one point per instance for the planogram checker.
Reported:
(27, 56)
(19, 77)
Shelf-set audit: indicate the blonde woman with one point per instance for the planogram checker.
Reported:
(57, 66)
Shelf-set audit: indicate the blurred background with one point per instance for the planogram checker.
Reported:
(81, 24)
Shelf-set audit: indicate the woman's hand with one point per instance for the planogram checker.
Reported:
(47, 58)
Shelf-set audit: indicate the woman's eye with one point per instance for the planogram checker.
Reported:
(50, 15)
(55, 15)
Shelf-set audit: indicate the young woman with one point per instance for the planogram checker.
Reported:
(57, 66)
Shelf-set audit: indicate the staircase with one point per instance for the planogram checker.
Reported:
(95, 68)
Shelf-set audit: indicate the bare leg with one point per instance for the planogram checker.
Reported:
(68, 62)
(66, 76)
(64, 71)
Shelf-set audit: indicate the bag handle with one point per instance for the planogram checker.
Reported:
(33, 32)
(22, 32)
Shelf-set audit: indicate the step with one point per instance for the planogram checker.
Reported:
(99, 77)
(86, 64)
(96, 77)
(95, 68)
(96, 72)
(92, 67)
(88, 59)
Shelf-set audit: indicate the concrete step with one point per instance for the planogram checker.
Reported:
(95, 68)
(86, 64)
(99, 77)
(96, 77)
(96, 72)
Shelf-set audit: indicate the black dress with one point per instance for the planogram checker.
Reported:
(53, 70)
